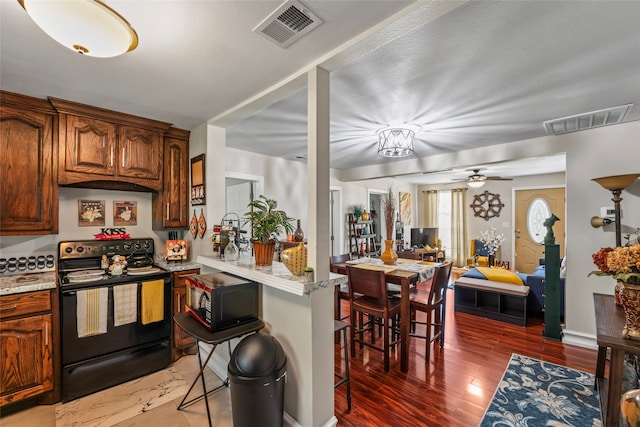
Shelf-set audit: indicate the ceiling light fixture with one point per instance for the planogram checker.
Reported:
(396, 141)
(475, 184)
(89, 27)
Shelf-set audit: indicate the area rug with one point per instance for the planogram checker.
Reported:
(536, 393)
(113, 405)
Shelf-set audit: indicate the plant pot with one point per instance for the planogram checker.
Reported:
(389, 256)
(263, 252)
(630, 298)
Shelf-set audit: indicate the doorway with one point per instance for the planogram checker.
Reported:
(532, 207)
(376, 213)
(335, 222)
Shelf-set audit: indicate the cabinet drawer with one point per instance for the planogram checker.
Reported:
(27, 303)
(179, 277)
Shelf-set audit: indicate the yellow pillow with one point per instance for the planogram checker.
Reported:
(500, 275)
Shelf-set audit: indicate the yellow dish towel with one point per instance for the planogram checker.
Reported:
(500, 275)
(125, 304)
(152, 301)
(376, 267)
(91, 311)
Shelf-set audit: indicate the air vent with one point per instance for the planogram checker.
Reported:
(288, 24)
(594, 119)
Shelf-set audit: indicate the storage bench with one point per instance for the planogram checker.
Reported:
(493, 300)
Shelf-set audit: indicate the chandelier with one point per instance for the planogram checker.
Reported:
(475, 183)
(396, 141)
(89, 27)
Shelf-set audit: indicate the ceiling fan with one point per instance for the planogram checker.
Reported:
(477, 180)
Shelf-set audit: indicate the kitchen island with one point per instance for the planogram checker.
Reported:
(299, 315)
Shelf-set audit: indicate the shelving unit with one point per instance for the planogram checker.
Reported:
(362, 238)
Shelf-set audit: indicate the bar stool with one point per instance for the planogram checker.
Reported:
(340, 326)
(191, 326)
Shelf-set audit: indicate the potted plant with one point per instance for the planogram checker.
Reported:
(357, 211)
(266, 223)
(389, 256)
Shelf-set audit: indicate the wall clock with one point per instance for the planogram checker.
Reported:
(486, 205)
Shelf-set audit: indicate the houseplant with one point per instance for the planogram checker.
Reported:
(492, 241)
(357, 211)
(623, 264)
(389, 256)
(266, 223)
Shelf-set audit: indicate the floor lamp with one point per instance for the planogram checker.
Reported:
(615, 184)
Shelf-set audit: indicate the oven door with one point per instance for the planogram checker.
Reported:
(75, 349)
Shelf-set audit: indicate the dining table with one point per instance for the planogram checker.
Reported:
(405, 273)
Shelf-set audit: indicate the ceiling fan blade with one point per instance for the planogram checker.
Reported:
(497, 178)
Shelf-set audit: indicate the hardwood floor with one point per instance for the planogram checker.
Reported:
(456, 386)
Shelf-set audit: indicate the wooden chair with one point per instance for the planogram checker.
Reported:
(368, 296)
(341, 327)
(343, 292)
(432, 302)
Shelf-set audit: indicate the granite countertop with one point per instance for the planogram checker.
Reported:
(276, 275)
(177, 266)
(28, 282)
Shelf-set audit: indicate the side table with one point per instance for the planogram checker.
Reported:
(609, 323)
(191, 326)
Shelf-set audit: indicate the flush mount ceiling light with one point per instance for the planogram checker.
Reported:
(89, 27)
(396, 141)
(476, 184)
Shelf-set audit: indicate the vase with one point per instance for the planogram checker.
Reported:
(630, 298)
(616, 293)
(295, 259)
(365, 215)
(491, 261)
(298, 235)
(389, 256)
(630, 407)
(263, 252)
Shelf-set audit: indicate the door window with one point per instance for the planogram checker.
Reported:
(538, 211)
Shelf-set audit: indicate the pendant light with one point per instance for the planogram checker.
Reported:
(89, 27)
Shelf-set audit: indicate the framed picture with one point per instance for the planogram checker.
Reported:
(91, 213)
(198, 181)
(405, 207)
(125, 213)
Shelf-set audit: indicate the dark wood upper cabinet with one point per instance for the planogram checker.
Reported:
(28, 176)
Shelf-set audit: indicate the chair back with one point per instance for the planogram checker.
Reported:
(478, 248)
(439, 283)
(337, 259)
(368, 283)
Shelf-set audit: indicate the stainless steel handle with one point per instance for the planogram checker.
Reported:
(179, 305)
(182, 276)
(46, 334)
(111, 156)
(167, 218)
(9, 307)
(123, 150)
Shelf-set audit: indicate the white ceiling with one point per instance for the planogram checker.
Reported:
(468, 74)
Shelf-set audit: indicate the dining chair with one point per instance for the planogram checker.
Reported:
(368, 296)
(343, 292)
(432, 302)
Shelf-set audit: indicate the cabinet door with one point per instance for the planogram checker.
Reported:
(90, 146)
(139, 153)
(28, 179)
(26, 368)
(171, 205)
(180, 338)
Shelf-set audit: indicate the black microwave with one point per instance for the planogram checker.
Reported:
(221, 300)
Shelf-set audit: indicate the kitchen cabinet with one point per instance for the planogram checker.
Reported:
(183, 343)
(28, 177)
(27, 337)
(170, 207)
(106, 149)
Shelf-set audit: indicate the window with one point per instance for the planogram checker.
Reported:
(538, 211)
(444, 219)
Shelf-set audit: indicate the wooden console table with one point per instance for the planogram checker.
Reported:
(609, 324)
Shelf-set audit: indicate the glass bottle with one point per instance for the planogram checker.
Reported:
(298, 236)
(231, 251)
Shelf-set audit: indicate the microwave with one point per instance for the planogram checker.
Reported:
(221, 300)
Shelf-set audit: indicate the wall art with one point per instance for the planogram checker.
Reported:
(198, 181)
(125, 213)
(91, 213)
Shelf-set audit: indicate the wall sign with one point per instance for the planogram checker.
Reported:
(197, 181)
(486, 205)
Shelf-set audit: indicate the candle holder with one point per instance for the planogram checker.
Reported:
(616, 184)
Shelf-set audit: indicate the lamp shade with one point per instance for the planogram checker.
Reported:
(617, 182)
(89, 27)
(395, 141)
(475, 184)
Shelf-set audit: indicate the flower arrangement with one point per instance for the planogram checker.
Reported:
(492, 240)
(622, 263)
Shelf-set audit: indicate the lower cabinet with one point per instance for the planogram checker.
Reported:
(27, 343)
(183, 343)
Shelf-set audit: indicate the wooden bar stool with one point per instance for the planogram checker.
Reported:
(340, 326)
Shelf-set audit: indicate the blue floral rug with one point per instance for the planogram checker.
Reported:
(535, 393)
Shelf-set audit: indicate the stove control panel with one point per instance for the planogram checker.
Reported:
(97, 248)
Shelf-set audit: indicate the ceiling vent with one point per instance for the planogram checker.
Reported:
(288, 24)
(594, 119)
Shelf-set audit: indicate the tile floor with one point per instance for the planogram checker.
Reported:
(148, 401)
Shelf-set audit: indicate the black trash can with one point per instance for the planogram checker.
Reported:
(257, 375)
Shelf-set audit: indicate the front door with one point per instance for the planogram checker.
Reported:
(531, 209)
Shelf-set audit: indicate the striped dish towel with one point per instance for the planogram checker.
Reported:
(152, 301)
(91, 311)
(125, 304)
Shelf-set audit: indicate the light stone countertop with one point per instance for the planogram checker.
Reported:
(28, 282)
(276, 275)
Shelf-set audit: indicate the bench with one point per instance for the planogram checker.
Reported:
(493, 300)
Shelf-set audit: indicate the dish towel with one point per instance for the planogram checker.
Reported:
(91, 311)
(152, 301)
(125, 304)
